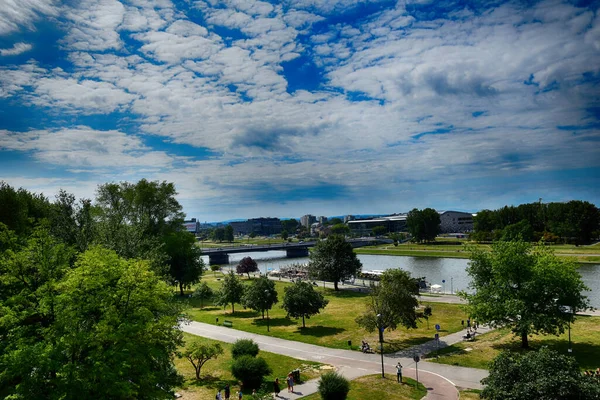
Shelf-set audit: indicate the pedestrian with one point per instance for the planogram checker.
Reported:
(399, 372)
(468, 323)
(291, 382)
(240, 395)
(253, 392)
(227, 392)
(276, 387)
(218, 396)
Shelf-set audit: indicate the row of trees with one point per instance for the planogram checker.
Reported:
(86, 310)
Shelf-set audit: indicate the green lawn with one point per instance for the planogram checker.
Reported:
(334, 327)
(374, 387)
(585, 338)
(470, 394)
(216, 373)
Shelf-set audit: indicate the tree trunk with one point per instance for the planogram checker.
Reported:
(524, 340)
(232, 308)
(263, 313)
(181, 288)
(303, 325)
(248, 275)
(198, 373)
(335, 285)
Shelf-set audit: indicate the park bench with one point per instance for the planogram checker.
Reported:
(228, 324)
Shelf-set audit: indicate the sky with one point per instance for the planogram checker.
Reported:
(293, 107)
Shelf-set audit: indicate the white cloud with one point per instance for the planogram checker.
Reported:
(17, 48)
(93, 25)
(15, 14)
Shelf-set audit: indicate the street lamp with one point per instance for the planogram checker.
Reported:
(380, 327)
(268, 328)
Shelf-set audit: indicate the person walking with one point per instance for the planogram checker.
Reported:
(290, 382)
(276, 387)
(240, 395)
(218, 396)
(227, 392)
(399, 372)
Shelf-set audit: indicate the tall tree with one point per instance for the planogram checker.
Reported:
(340, 229)
(290, 225)
(202, 292)
(301, 301)
(334, 260)
(393, 302)
(423, 225)
(231, 291)
(218, 234)
(246, 265)
(228, 233)
(523, 289)
(185, 264)
(22, 210)
(260, 295)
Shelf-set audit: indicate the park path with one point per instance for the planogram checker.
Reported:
(439, 379)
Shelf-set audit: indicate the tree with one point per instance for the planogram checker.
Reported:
(218, 235)
(523, 289)
(301, 300)
(231, 291)
(334, 260)
(228, 234)
(335, 221)
(198, 353)
(22, 210)
(289, 225)
(250, 371)
(423, 225)
(333, 386)
(543, 374)
(202, 292)
(185, 264)
(485, 221)
(246, 265)
(284, 234)
(339, 229)
(380, 230)
(521, 230)
(393, 302)
(427, 314)
(244, 347)
(260, 295)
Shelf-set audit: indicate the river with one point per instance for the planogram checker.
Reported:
(435, 270)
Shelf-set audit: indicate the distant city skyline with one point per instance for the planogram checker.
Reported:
(324, 107)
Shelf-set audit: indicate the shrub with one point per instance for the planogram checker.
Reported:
(333, 386)
(244, 347)
(250, 371)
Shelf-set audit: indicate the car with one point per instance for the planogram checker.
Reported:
(302, 241)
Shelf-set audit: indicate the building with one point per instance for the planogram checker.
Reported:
(307, 220)
(348, 218)
(393, 223)
(322, 220)
(455, 222)
(192, 226)
(259, 226)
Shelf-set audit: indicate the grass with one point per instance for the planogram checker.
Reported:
(469, 394)
(241, 242)
(216, 373)
(585, 338)
(373, 387)
(333, 327)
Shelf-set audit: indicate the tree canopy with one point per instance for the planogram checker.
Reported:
(524, 289)
(334, 260)
(199, 353)
(185, 264)
(231, 291)
(423, 225)
(246, 265)
(302, 301)
(393, 302)
(261, 295)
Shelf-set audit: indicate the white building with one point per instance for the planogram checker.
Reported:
(455, 221)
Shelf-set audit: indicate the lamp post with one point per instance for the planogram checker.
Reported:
(380, 327)
(267, 295)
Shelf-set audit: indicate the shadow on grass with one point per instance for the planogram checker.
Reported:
(274, 322)
(212, 382)
(347, 294)
(319, 331)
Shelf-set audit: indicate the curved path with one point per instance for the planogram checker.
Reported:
(439, 379)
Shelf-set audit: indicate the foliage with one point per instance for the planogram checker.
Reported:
(334, 260)
(524, 289)
(22, 210)
(522, 230)
(301, 300)
(423, 225)
(380, 230)
(284, 234)
(218, 234)
(198, 353)
(244, 347)
(543, 374)
(333, 386)
(290, 225)
(252, 235)
(393, 302)
(426, 314)
(250, 371)
(246, 265)
(202, 292)
(260, 295)
(335, 221)
(75, 333)
(215, 268)
(228, 234)
(231, 291)
(185, 264)
(339, 229)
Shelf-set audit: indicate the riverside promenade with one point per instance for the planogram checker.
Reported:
(439, 379)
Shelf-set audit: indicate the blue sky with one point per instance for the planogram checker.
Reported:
(283, 108)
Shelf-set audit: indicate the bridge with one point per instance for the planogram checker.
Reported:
(220, 255)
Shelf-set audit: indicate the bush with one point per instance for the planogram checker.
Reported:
(244, 347)
(250, 371)
(333, 386)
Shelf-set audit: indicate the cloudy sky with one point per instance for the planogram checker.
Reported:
(283, 108)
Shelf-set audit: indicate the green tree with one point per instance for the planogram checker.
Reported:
(423, 225)
(250, 371)
(246, 265)
(393, 302)
(284, 234)
(340, 229)
(334, 260)
(543, 374)
(521, 230)
(335, 221)
(290, 225)
(380, 230)
(228, 234)
(333, 386)
(426, 314)
(524, 289)
(260, 295)
(231, 291)
(199, 353)
(202, 292)
(485, 221)
(218, 234)
(185, 264)
(22, 210)
(244, 347)
(301, 300)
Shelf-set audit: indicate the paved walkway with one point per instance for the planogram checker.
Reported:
(440, 379)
